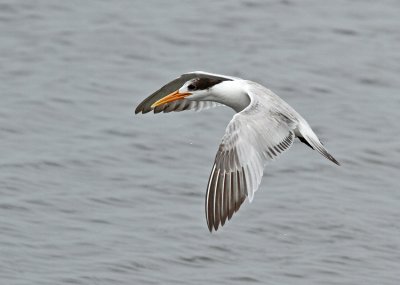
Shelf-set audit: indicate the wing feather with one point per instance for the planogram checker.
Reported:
(252, 138)
(145, 105)
(226, 198)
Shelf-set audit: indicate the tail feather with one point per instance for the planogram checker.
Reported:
(307, 134)
(316, 144)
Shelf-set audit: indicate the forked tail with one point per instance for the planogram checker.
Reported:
(305, 132)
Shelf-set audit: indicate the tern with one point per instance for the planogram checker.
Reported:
(263, 127)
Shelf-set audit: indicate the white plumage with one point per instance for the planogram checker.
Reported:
(263, 127)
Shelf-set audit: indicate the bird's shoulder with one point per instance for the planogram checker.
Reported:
(265, 102)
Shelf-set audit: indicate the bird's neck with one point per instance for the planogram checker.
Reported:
(231, 94)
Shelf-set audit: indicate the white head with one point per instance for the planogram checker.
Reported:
(221, 90)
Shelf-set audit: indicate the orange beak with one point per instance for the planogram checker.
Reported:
(170, 98)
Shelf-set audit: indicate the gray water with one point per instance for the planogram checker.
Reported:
(92, 194)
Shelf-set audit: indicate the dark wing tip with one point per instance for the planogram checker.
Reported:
(142, 108)
(138, 110)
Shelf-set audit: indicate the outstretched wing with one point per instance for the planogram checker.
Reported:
(253, 137)
(180, 105)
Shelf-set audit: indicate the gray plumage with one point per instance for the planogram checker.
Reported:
(263, 128)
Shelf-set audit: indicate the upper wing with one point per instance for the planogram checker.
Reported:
(253, 137)
(180, 105)
(145, 105)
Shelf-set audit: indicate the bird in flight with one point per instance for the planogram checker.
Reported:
(263, 127)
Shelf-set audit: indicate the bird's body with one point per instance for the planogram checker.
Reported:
(263, 127)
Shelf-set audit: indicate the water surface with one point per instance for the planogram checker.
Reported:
(92, 194)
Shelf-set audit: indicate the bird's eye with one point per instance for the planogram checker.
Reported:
(191, 87)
